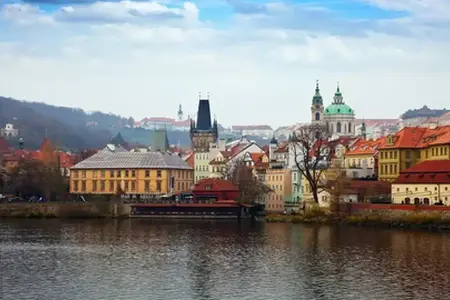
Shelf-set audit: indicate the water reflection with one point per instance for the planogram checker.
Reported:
(144, 259)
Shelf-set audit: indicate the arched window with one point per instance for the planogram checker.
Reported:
(331, 128)
(345, 127)
(338, 127)
(349, 127)
(317, 116)
(407, 200)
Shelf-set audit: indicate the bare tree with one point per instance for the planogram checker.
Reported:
(311, 155)
(251, 188)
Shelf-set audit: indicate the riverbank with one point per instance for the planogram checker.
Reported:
(418, 220)
(65, 210)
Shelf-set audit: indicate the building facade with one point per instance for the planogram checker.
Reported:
(279, 180)
(426, 183)
(410, 146)
(133, 173)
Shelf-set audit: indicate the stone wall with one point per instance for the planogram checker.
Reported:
(65, 210)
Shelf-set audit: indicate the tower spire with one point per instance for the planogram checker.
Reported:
(338, 95)
(317, 98)
(363, 130)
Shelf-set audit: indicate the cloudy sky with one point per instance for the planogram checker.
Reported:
(259, 60)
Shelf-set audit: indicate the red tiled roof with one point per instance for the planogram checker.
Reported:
(215, 185)
(418, 137)
(429, 171)
(256, 157)
(158, 119)
(365, 147)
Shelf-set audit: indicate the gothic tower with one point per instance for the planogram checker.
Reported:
(203, 134)
(317, 107)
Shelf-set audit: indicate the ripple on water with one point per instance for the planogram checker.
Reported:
(137, 259)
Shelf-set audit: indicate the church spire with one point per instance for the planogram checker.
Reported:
(317, 99)
(338, 95)
(363, 130)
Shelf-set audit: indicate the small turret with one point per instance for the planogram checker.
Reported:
(272, 147)
(363, 130)
(21, 143)
(180, 113)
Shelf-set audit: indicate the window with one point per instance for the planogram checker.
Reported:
(398, 190)
(119, 174)
(102, 186)
(94, 185)
(158, 185)
(75, 185)
(391, 155)
(133, 185)
(178, 186)
(127, 185)
(94, 174)
(83, 185)
(182, 174)
(147, 173)
(147, 186)
(338, 127)
(111, 174)
(83, 174)
(111, 185)
(127, 173)
(317, 116)
(75, 174)
(133, 173)
(102, 173)
(182, 186)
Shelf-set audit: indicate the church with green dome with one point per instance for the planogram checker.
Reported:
(338, 116)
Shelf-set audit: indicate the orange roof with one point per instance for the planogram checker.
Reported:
(191, 160)
(365, 147)
(256, 157)
(417, 137)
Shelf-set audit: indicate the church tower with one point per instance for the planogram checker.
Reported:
(180, 113)
(317, 107)
(203, 134)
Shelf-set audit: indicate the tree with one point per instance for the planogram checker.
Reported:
(311, 155)
(251, 188)
(34, 178)
(336, 182)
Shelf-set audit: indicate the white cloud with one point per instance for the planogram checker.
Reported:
(254, 74)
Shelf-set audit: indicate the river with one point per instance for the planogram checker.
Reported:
(183, 259)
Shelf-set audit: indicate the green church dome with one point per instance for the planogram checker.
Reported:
(338, 109)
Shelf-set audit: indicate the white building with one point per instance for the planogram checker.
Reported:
(256, 130)
(9, 131)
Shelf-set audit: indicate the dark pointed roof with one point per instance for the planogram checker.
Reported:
(203, 115)
(317, 98)
(160, 141)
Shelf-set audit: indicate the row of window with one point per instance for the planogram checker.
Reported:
(269, 206)
(275, 177)
(388, 169)
(202, 168)
(418, 201)
(275, 197)
(391, 154)
(416, 189)
(113, 185)
(441, 151)
(128, 173)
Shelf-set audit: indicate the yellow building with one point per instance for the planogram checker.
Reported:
(131, 172)
(427, 183)
(410, 146)
(280, 181)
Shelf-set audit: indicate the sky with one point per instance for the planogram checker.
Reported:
(258, 60)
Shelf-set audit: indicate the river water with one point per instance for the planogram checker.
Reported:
(167, 259)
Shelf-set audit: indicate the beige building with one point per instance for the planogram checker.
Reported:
(280, 181)
(425, 183)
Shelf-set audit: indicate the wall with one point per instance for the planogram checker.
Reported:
(435, 152)
(392, 209)
(65, 210)
(158, 181)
